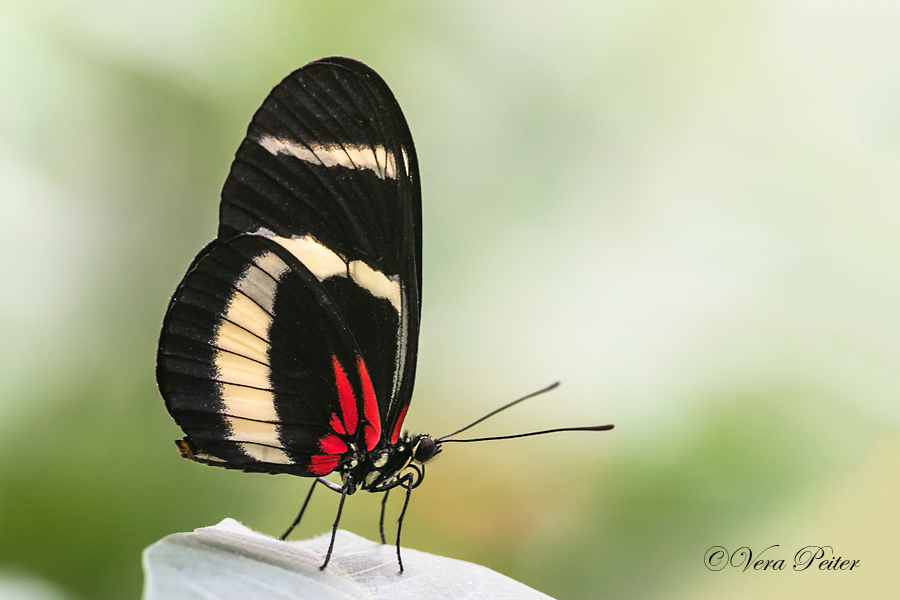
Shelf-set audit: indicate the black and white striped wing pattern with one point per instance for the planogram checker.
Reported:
(293, 334)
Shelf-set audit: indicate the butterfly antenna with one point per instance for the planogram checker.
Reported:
(501, 409)
(519, 435)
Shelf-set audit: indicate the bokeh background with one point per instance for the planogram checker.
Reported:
(686, 210)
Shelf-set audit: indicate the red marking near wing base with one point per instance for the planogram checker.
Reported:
(372, 429)
(336, 424)
(332, 444)
(322, 464)
(395, 435)
(345, 397)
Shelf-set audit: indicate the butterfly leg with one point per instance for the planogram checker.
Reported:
(408, 484)
(347, 486)
(305, 502)
(381, 521)
(312, 488)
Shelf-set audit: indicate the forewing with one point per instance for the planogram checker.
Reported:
(328, 170)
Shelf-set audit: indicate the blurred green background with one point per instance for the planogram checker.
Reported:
(686, 210)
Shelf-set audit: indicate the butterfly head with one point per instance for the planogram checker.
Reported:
(391, 465)
(424, 448)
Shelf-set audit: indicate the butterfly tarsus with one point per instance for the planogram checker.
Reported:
(348, 485)
(381, 520)
(408, 484)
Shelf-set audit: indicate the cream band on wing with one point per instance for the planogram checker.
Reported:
(260, 281)
(319, 259)
(375, 282)
(352, 156)
(254, 432)
(266, 454)
(248, 402)
(240, 341)
(324, 263)
(239, 370)
(242, 361)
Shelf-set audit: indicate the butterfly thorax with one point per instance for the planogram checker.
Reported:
(388, 465)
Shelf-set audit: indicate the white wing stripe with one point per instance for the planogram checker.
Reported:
(249, 403)
(266, 454)
(254, 432)
(319, 259)
(375, 282)
(325, 263)
(352, 156)
(242, 360)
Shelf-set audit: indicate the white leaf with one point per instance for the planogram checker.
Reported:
(229, 561)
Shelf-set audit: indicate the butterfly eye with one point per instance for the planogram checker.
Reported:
(425, 449)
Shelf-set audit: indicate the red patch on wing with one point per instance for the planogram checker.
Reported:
(345, 397)
(336, 424)
(395, 435)
(332, 444)
(372, 429)
(322, 464)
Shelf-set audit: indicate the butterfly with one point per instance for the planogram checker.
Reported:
(290, 344)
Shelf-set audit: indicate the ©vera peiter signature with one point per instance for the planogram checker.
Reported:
(823, 557)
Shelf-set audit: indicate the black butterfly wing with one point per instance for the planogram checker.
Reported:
(307, 304)
(329, 156)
